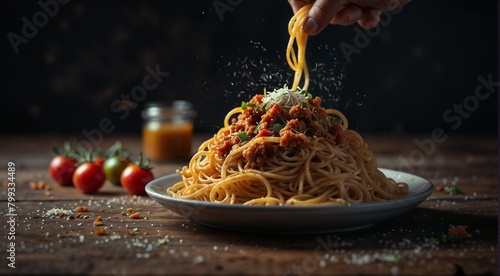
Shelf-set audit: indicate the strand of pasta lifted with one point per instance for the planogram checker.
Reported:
(284, 148)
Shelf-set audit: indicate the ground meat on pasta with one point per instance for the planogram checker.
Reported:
(295, 126)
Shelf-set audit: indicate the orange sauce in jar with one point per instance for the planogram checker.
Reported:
(167, 141)
(168, 130)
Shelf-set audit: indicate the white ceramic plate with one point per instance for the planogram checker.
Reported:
(292, 219)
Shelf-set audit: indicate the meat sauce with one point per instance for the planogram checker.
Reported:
(295, 126)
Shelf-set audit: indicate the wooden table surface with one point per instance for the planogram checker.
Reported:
(161, 242)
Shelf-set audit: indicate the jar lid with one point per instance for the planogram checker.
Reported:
(168, 109)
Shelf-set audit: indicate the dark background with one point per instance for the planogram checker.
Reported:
(415, 67)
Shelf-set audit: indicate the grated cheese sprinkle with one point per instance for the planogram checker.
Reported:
(285, 97)
(57, 211)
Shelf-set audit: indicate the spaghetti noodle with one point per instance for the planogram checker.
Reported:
(297, 35)
(284, 148)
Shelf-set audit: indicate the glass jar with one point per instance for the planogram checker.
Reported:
(168, 130)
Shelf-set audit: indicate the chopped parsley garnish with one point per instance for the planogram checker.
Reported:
(243, 136)
(453, 191)
(334, 120)
(391, 258)
(245, 105)
(443, 238)
(278, 127)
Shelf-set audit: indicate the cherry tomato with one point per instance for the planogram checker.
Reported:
(61, 169)
(99, 161)
(89, 177)
(135, 177)
(113, 168)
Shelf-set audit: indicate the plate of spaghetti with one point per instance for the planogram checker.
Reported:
(312, 219)
(284, 163)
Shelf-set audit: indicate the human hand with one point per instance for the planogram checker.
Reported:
(344, 12)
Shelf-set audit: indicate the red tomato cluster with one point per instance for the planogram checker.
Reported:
(88, 171)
